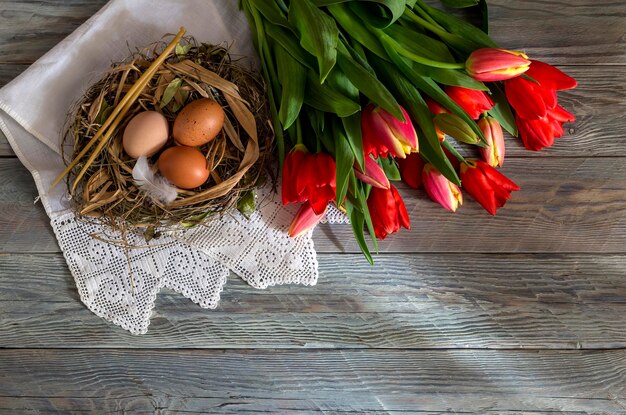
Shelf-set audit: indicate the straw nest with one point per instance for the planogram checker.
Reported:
(102, 185)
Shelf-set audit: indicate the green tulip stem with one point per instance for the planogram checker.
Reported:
(424, 15)
(436, 29)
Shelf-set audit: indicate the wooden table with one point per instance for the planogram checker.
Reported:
(521, 313)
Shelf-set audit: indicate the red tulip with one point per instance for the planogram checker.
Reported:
(305, 220)
(292, 163)
(493, 153)
(440, 189)
(373, 175)
(539, 117)
(384, 134)
(540, 133)
(486, 185)
(411, 170)
(435, 107)
(387, 211)
(309, 177)
(532, 100)
(491, 64)
(474, 102)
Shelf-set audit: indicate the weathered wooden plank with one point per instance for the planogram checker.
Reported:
(575, 32)
(579, 33)
(29, 29)
(10, 71)
(598, 103)
(405, 301)
(324, 381)
(566, 205)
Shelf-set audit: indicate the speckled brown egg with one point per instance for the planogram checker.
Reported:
(184, 166)
(198, 122)
(145, 134)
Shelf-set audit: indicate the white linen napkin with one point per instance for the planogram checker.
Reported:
(117, 283)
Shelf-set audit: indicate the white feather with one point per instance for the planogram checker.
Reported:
(157, 187)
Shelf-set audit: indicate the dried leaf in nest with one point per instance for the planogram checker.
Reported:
(115, 187)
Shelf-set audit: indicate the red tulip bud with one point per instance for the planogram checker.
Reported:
(491, 64)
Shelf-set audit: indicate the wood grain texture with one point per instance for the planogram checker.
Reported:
(444, 321)
(566, 205)
(28, 29)
(322, 381)
(405, 301)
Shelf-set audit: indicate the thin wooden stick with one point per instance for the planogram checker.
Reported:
(120, 109)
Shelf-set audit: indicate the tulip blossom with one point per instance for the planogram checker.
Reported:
(309, 177)
(540, 133)
(474, 102)
(492, 64)
(486, 185)
(387, 211)
(493, 153)
(373, 175)
(539, 117)
(411, 170)
(440, 189)
(305, 220)
(384, 134)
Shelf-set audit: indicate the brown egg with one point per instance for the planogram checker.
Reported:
(198, 123)
(185, 167)
(145, 134)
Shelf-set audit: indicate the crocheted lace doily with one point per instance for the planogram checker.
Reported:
(119, 274)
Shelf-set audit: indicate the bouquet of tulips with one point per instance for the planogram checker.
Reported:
(365, 92)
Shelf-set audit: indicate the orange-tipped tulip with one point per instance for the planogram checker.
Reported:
(384, 134)
(373, 175)
(493, 153)
(305, 220)
(492, 64)
(440, 189)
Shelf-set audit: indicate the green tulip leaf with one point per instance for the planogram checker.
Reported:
(352, 127)
(419, 44)
(459, 4)
(367, 83)
(318, 34)
(286, 38)
(328, 99)
(459, 27)
(390, 168)
(502, 112)
(292, 76)
(357, 220)
(344, 159)
(355, 28)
